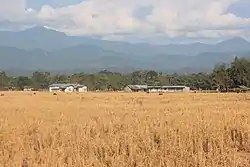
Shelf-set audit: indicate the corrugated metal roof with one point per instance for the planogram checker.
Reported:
(61, 85)
(139, 87)
(244, 87)
(26, 87)
(166, 87)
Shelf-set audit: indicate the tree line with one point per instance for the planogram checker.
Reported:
(223, 77)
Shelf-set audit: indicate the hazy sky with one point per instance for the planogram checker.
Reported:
(132, 19)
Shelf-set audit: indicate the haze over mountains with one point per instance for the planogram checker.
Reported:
(44, 49)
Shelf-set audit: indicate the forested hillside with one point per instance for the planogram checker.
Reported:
(224, 76)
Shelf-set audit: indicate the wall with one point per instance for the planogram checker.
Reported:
(83, 89)
(186, 89)
(27, 89)
(54, 89)
(69, 89)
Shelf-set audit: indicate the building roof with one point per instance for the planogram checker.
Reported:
(166, 87)
(27, 87)
(139, 87)
(62, 85)
(243, 87)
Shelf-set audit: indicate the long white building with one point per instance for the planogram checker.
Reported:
(146, 88)
(67, 88)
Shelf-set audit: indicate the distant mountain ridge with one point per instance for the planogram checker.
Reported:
(47, 39)
(41, 48)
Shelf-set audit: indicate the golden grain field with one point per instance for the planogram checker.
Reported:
(125, 130)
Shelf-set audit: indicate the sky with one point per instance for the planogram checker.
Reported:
(132, 20)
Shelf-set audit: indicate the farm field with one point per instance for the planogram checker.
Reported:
(125, 130)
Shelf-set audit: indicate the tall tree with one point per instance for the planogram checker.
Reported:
(152, 78)
(239, 72)
(41, 80)
(23, 81)
(4, 80)
(221, 77)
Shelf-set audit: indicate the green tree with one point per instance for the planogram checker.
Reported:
(41, 80)
(60, 79)
(23, 81)
(239, 72)
(221, 77)
(152, 78)
(4, 80)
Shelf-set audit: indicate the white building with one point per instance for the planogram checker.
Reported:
(67, 88)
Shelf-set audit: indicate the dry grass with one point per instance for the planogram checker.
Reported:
(125, 130)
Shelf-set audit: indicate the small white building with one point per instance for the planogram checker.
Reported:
(67, 88)
(82, 89)
(28, 88)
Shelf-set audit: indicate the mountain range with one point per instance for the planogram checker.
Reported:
(40, 48)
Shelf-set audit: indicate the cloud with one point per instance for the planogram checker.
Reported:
(14, 10)
(95, 17)
(170, 18)
(240, 8)
(37, 4)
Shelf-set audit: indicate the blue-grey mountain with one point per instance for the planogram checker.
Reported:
(41, 48)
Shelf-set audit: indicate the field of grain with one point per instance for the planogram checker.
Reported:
(124, 130)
